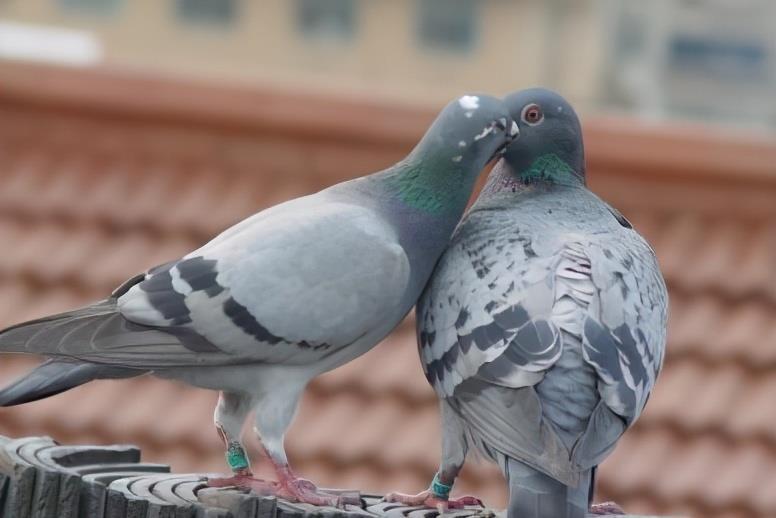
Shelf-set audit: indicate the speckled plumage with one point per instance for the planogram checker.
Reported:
(543, 326)
(536, 284)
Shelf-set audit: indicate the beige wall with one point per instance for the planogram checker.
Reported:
(521, 43)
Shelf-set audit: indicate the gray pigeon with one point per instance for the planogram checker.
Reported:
(543, 327)
(289, 293)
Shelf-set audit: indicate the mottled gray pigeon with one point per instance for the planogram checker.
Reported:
(543, 327)
(291, 292)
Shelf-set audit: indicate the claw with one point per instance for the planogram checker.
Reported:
(258, 486)
(293, 490)
(428, 499)
(304, 491)
(605, 509)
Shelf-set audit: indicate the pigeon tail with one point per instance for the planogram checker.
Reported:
(54, 376)
(61, 374)
(533, 494)
(25, 337)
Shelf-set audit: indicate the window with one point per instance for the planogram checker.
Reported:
(696, 59)
(207, 12)
(101, 7)
(448, 24)
(715, 56)
(327, 19)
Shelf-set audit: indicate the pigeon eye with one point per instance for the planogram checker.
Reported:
(532, 115)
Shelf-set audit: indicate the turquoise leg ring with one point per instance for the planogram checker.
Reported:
(236, 458)
(439, 489)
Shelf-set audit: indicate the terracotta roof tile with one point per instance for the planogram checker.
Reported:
(680, 236)
(714, 252)
(333, 423)
(410, 444)
(633, 465)
(763, 494)
(398, 353)
(708, 403)
(677, 381)
(750, 413)
(754, 271)
(87, 200)
(689, 468)
(748, 466)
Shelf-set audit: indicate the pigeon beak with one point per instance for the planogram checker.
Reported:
(514, 131)
(511, 133)
(509, 126)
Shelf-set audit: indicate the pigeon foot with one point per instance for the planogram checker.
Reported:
(428, 499)
(304, 491)
(292, 489)
(606, 508)
(246, 481)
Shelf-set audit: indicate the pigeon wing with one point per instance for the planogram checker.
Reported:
(624, 333)
(488, 311)
(289, 285)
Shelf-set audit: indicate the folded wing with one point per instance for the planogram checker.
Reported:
(287, 286)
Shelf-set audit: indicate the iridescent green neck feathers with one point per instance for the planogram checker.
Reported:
(550, 168)
(430, 187)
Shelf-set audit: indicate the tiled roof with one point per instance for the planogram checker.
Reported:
(103, 174)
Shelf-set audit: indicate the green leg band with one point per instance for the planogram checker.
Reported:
(439, 489)
(236, 457)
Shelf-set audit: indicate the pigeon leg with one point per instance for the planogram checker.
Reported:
(229, 418)
(273, 415)
(454, 449)
(298, 489)
(604, 508)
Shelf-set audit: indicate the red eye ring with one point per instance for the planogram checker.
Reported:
(532, 114)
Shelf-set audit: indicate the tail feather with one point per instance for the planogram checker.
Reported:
(100, 334)
(31, 336)
(55, 376)
(533, 494)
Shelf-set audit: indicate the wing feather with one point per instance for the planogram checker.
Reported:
(501, 328)
(290, 286)
(504, 302)
(504, 326)
(625, 330)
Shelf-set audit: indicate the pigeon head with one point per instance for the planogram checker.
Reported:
(439, 174)
(549, 148)
(468, 133)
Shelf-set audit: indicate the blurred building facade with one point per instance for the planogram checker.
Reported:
(104, 174)
(421, 50)
(711, 60)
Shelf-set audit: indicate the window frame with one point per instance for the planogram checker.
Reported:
(198, 20)
(103, 8)
(427, 42)
(351, 9)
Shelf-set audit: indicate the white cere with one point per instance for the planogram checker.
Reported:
(514, 130)
(485, 132)
(462, 143)
(560, 109)
(457, 158)
(469, 102)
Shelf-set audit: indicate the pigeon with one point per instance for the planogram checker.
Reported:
(289, 293)
(543, 327)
